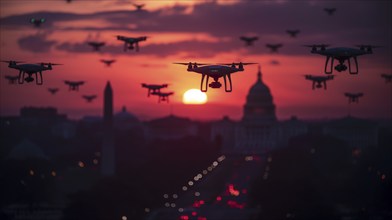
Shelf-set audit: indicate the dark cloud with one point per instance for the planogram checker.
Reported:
(37, 43)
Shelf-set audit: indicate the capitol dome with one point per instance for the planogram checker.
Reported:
(259, 106)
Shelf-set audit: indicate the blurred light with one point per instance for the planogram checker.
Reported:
(80, 164)
(265, 176)
(184, 188)
(221, 158)
(233, 191)
(124, 217)
(165, 196)
(194, 213)
(218, 198)
(201, 202)
(53, 173)
(215, 164)
(312, 151)
(269, 159)
(175, 196)
(190, 183)
(205, 172)
(173, 205)
(180, 210)
(95, 161)
(201, 218)
(199, 176)
(184, 217)
(383, 177)
(31, 172)
(209, 169)
(146, 209)
(167, 204)
(267, 168)
(195, 178)
(197, 193)
(248, 158)
(98, 154)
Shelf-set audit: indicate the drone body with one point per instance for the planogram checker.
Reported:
(131, 42)
(139, 7)
(341, 54)
(215, 71)
(248, 40)
(12, 79)
(30, 69)
(96, 45)
(153, 88)
(353, 97)
(74, 85)
(53, 91)
(37, 22)
(319, 81)
(108, 62)
(89, 98)
(292, 33)
(274, 47)
(163, 96)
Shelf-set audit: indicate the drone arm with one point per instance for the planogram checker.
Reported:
(356, 65)
(326, 65)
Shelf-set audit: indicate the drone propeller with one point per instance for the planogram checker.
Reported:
(229, 64)
(52, 64)
(316, 45)
(367, 46)
(186, 64)
(11, 61)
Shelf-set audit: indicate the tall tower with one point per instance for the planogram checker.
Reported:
(108, 150)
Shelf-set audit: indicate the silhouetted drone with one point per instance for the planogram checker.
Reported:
(162, 96)
(30, 69)
(274, 47)
(89, 98)
(96, 45)
(292, 33)
(129, 42)
(353, 97)
(107, 62)
(12, 79)
(317, 80)
(53, 91)
(37, 22)
(154, 88)
(330, 11)
(139, 7)
(74, 85)
(341, 54)
(248, 40)
(387, 77)
(215, 71)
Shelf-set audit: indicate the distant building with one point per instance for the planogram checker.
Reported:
(108, 147)
(170, 127)
(27, 150)
(40, 116)
(258, 131)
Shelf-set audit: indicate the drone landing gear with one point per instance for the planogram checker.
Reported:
(326, 65)
(356, 66)
(231, 86)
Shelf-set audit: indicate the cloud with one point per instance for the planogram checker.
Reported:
(37, 43)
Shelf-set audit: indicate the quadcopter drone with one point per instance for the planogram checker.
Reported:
(131, 42)
(293, 33)
(37, 22)
(248, 40)
(353, 97)
(154, 88)
(163, 96)
(341, 54)
(108, 62)
(74, 85)
(387, 77)
(215, 71)
(12, 79)
(53, 91)
(139, 7)
(274, 47)
(96, 45)
(30, 69)
(317, 80)
(89, 98)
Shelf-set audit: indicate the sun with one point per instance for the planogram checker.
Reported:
(194, 97)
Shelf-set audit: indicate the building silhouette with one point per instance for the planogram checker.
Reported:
(108, 147)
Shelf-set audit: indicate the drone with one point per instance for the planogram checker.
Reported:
(341, 54)
(215, 71)
(153, 88)
(53, 91)
(248, 40)
(131, 42)
(330, 11)
(96, 45)
(293, 33)
(74, 85)
(37, 22)
(317, 80)
(108, 62)
(353, 97)
(89, 98)
(139, 7)
(274, 47)
(387, 77)
(30, 69)
(12, 79)
(163, 96)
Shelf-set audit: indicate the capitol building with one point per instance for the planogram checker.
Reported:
(258, 131)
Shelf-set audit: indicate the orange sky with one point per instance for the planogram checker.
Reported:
(292, 94)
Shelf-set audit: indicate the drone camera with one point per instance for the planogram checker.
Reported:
(29, 79)
(215, 85)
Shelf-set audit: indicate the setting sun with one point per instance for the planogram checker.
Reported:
(194, 96)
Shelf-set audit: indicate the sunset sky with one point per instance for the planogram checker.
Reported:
(202, 31)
